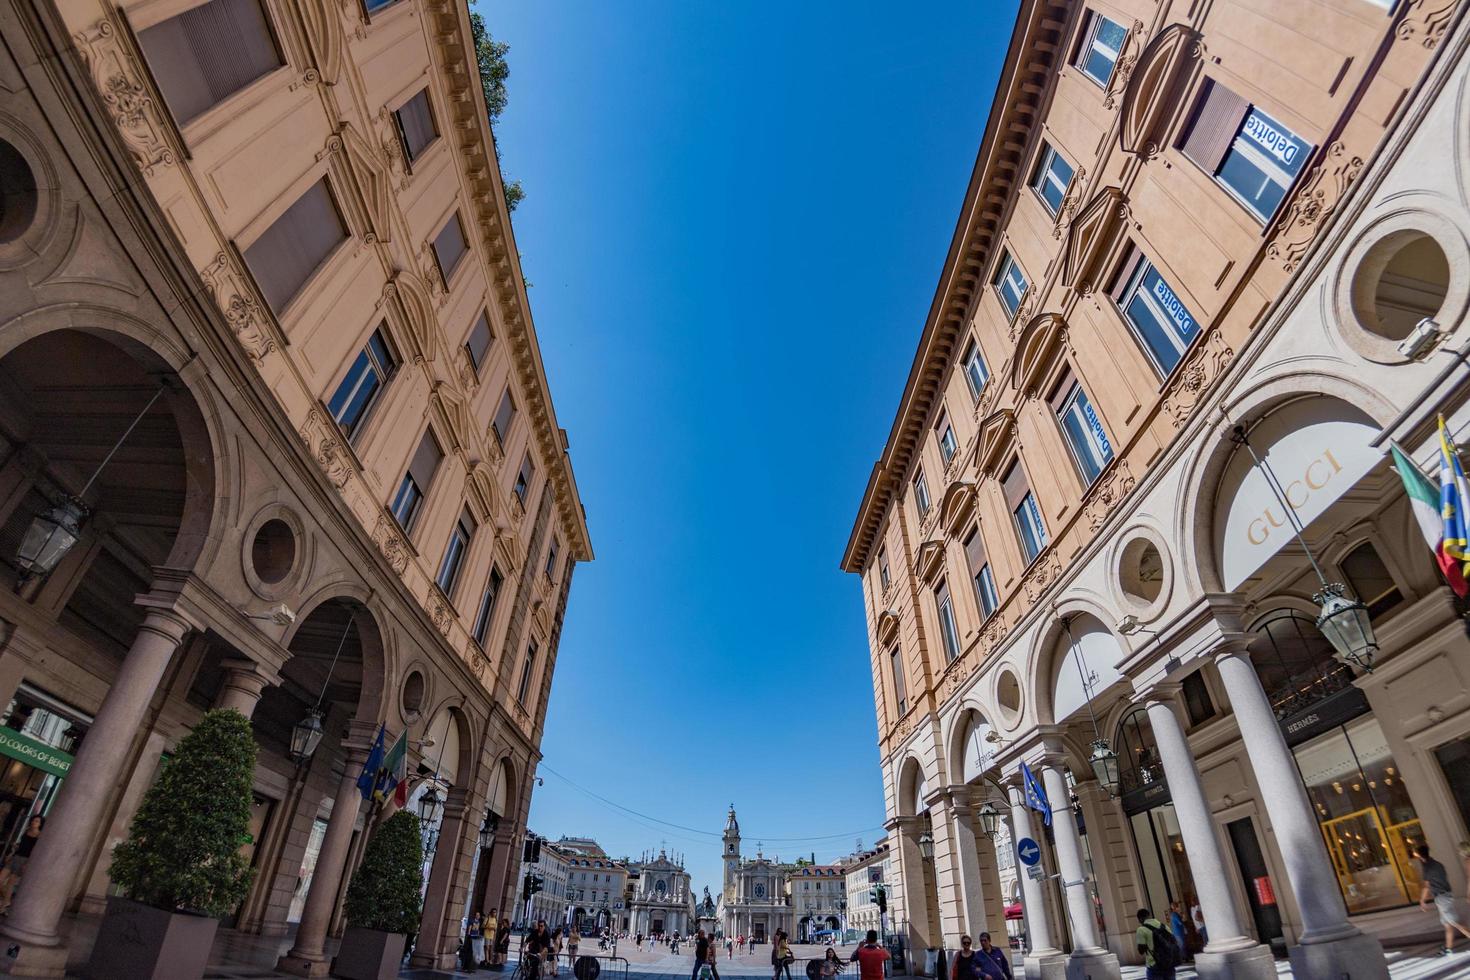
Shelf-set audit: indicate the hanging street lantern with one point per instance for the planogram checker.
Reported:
(1105, 766)
(1346, 625)
(926, 846)
(51, 535)
(306, 735)
(989, 819)
(428, 807)
(488, 830)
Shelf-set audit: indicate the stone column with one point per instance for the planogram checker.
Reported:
(965, 873)
(1330, 945)
(308, 957)
(913, 904)
(1045, 959)
(77, 813)
(1231, 952)
(244, 681)
(438, 940)
(1089, 957)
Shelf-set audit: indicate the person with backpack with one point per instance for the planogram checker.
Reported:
(994, 959)
(1161, 953)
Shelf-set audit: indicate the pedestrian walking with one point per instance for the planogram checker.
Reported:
(1161, 954)
(476, 934)
(502, 943)
(1176, 926)
(574, 939)
(967, 964)
(831, 965)
(781, 956)
(729, 949)
(1437, 889)
(994, 959)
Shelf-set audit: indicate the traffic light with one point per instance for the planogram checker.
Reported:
(531, 850)
(882, 898)
(526, 886)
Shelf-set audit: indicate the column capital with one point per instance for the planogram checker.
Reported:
(249, 674)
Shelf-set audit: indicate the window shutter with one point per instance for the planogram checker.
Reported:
(208, 53)
(1063, 390)
(418, 124)
(468, 522)
(449, 247)
(1216, 122)
(425, 461)
(528, 470)
(1131, 257)
(290, 250)
(503, 416)
(479, 340)
(941, 594)
(1015, 485)
(975, 552)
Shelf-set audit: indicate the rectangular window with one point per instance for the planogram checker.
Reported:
(1197, 702)
(1029, 527)
(921, 494)
(526, 670)
(373, 6)
(948, 630)
(976, 373)
(416, 482)
(449, 248)
(1159, 318)
(883, 574)
(981, 575)
(364, 382)
(295, 245)
(486, 612)
(1053, 177)
(1249, 153)
(944, 433)
(415, 125)
(504, 416)
(1098, 55)
(1091, 450)
(454, 552)
(478, 342)
(207, 53)
(551, 558)
(523, 479)
(1010, 283)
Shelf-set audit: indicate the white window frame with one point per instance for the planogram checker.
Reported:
(949, 444)
(1095, 21)
(986, 592)
(922, 500)
(1009, 273)
(1045, 175)
(1099, 455)
(949, 627)
(1268, 167)
(1028, 519)
(1170, 331)
(975, 358)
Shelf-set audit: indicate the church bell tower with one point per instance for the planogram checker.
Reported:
(731, 854)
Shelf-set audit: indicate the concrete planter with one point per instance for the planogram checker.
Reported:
(366, 954)
(140, 942)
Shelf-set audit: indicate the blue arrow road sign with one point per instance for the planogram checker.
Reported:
(1028, 851)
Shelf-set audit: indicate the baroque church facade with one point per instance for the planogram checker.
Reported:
(754, 900)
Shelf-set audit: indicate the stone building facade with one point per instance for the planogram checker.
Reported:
(753, 900)
(867, 870)
(818, 898)
(663, 898)
(262, 250)
(597, 884)
(1194, 232)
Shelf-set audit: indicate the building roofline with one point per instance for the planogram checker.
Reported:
(1037, 34)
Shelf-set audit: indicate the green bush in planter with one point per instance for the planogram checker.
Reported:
(385, 892)
(183, 850)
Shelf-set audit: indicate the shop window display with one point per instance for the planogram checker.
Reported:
(1366, 816)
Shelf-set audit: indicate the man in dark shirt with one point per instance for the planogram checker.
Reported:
(537, 943)
(870, 958)
(1437, 889)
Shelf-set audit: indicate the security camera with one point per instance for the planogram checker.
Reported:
(1128, 625)
(281, 614)
(1421, 340)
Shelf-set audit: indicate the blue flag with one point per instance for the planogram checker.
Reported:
(370, 767)
(1035, 795)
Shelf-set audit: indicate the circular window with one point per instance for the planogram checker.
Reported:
(18, 197)
(412, 700)
(1403, 278)
(1142, 571)
(1008, 695)
(273, 551)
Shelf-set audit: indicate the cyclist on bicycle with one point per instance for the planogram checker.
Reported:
(535, 947)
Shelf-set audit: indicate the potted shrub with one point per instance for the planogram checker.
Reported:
(383, 902)
(181, 868)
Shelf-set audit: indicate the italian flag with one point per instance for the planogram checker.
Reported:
(393, 777)
(1427, 503)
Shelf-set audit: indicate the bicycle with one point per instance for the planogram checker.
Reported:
(529, 967)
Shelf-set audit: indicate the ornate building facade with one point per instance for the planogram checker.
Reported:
(754, 900)
(268, 363)
(663, 899)
(1206, 267)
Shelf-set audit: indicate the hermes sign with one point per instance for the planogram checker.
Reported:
(1315, 459)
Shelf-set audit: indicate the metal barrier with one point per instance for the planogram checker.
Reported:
(811, 967)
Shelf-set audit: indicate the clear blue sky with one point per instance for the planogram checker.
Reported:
(734, 223)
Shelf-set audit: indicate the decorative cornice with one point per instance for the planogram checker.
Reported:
(1036, 350)
(107, 51)
(1313, 203)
